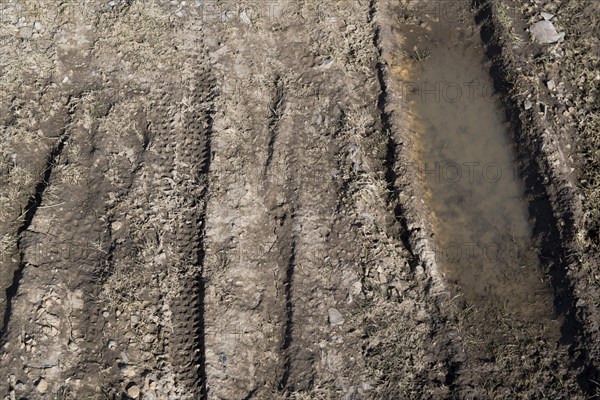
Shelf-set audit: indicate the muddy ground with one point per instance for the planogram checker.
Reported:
(217, 199)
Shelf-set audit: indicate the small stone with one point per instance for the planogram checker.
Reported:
(335, 317)
(38, 25)
(326, 63)
(116, 225)
(133, 390)
(545, 32)
(41, 385)
(551, 84)
(226, 16)
(546, 16)
(528, 104)
(246, 16)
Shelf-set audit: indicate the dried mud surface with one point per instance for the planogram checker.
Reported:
(214, 200)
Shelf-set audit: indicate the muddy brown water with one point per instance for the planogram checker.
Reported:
(483, 230)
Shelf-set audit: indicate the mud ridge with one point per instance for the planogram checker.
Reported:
(552, 201)
(392, 147)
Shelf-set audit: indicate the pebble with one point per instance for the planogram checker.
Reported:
(545, 32)
(327, 63)
(245, 16)
(528, 104)
(133, 390)
(551, 84)
(335, 317)
(41, 385)
(38, 25)
(226, 16)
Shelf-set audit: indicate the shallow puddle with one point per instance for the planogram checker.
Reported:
(481, 222)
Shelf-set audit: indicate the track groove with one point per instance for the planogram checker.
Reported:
(288, 319)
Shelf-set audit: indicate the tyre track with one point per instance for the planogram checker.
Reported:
(173, 186)
(63, 316)
(331, 247)
(33, 113)
(193, 154)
